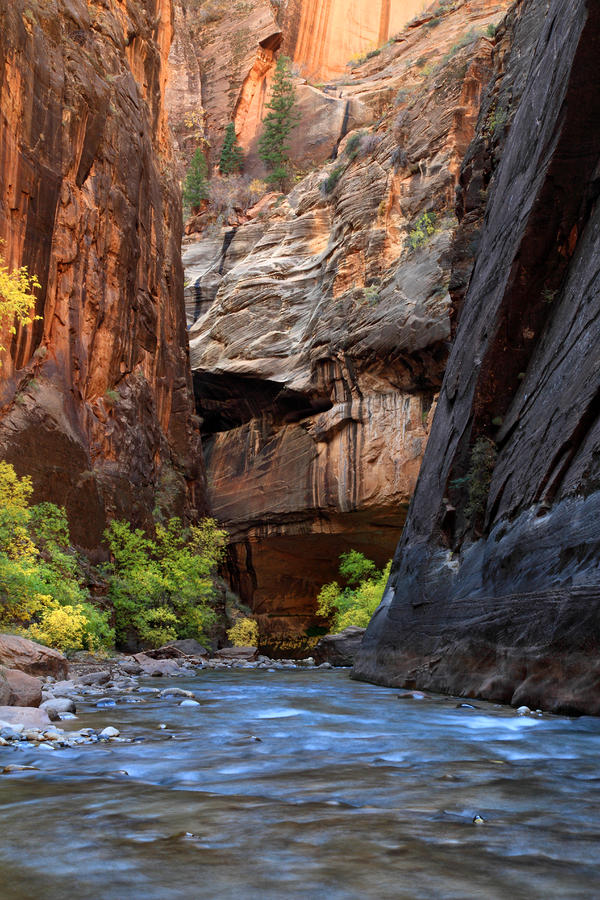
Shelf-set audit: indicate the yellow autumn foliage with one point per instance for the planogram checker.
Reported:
(244, 633)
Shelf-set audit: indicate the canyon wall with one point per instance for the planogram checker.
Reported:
(223, 58)
(321, 326)
(495, 588)
(322, 36)
(96, 397)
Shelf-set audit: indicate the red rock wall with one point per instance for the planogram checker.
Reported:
(323, 35)
(95, 399)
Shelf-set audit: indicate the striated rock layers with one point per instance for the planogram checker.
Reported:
(495, 589)
(95, 399)
(322, 36)
(223, 58)
(321, 328)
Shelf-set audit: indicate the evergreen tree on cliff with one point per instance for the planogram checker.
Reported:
(232, 155)
(273, 148)
(195, 186)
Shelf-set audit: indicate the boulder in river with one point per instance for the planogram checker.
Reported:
(19, 689)
(187, 646)
(34, 659)
(243, 653)
(339, 649)
(29, 716)
(151, 666)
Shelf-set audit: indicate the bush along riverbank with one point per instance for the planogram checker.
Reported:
(155, 588)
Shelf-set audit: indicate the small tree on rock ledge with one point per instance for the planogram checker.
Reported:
(232, 155)
(273, 148)
(195, 186)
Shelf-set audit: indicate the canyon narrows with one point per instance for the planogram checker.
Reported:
(319, 333)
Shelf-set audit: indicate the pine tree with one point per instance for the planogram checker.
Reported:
(232, 155)
(273, 148)
(195, 186)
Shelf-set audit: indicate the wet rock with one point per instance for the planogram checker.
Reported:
(189, 703)
(510, 590)
(9, 770)
(157, 667)
(58, 706)
(130, 667)
(27, 716)
(34, 659)
(237, 653)
(106, 703)
(176, 692)
(110, 732)
(63, 688)
(413, 695)
(523, 711)
(339, 649)
(94, 678)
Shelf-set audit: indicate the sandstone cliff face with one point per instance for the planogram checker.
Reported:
(223, 58)
(321, 36)
(503, 601)
(96, 398)
(322, 325)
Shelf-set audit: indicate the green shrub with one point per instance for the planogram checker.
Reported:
(356, 603)
(244, 633)
(164, 585)
(41, 582)
(332, 179)
(479, 478)
(425, 228)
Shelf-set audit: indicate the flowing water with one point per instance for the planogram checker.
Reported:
(349, 792)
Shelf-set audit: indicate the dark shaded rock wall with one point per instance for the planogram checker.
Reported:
(96, 398)
(504, 602)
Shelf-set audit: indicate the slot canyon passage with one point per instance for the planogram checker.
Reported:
(299, 449)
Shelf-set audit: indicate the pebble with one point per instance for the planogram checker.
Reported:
(478, 820)
(523, 711)
(106, 702)
(189, 703)
(162, 726)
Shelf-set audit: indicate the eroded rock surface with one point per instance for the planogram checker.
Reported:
(34, 659)
(95, 398)
(223, 58)
(499, 596)
(321, 327)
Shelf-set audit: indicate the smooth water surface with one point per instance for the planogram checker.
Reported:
(350, 792)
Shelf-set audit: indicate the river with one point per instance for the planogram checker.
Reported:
(304, 784)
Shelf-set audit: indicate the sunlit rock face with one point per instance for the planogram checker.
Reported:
(223, 58)
(495, 589)
(322, 36)
(96, 400)
(322, 325)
